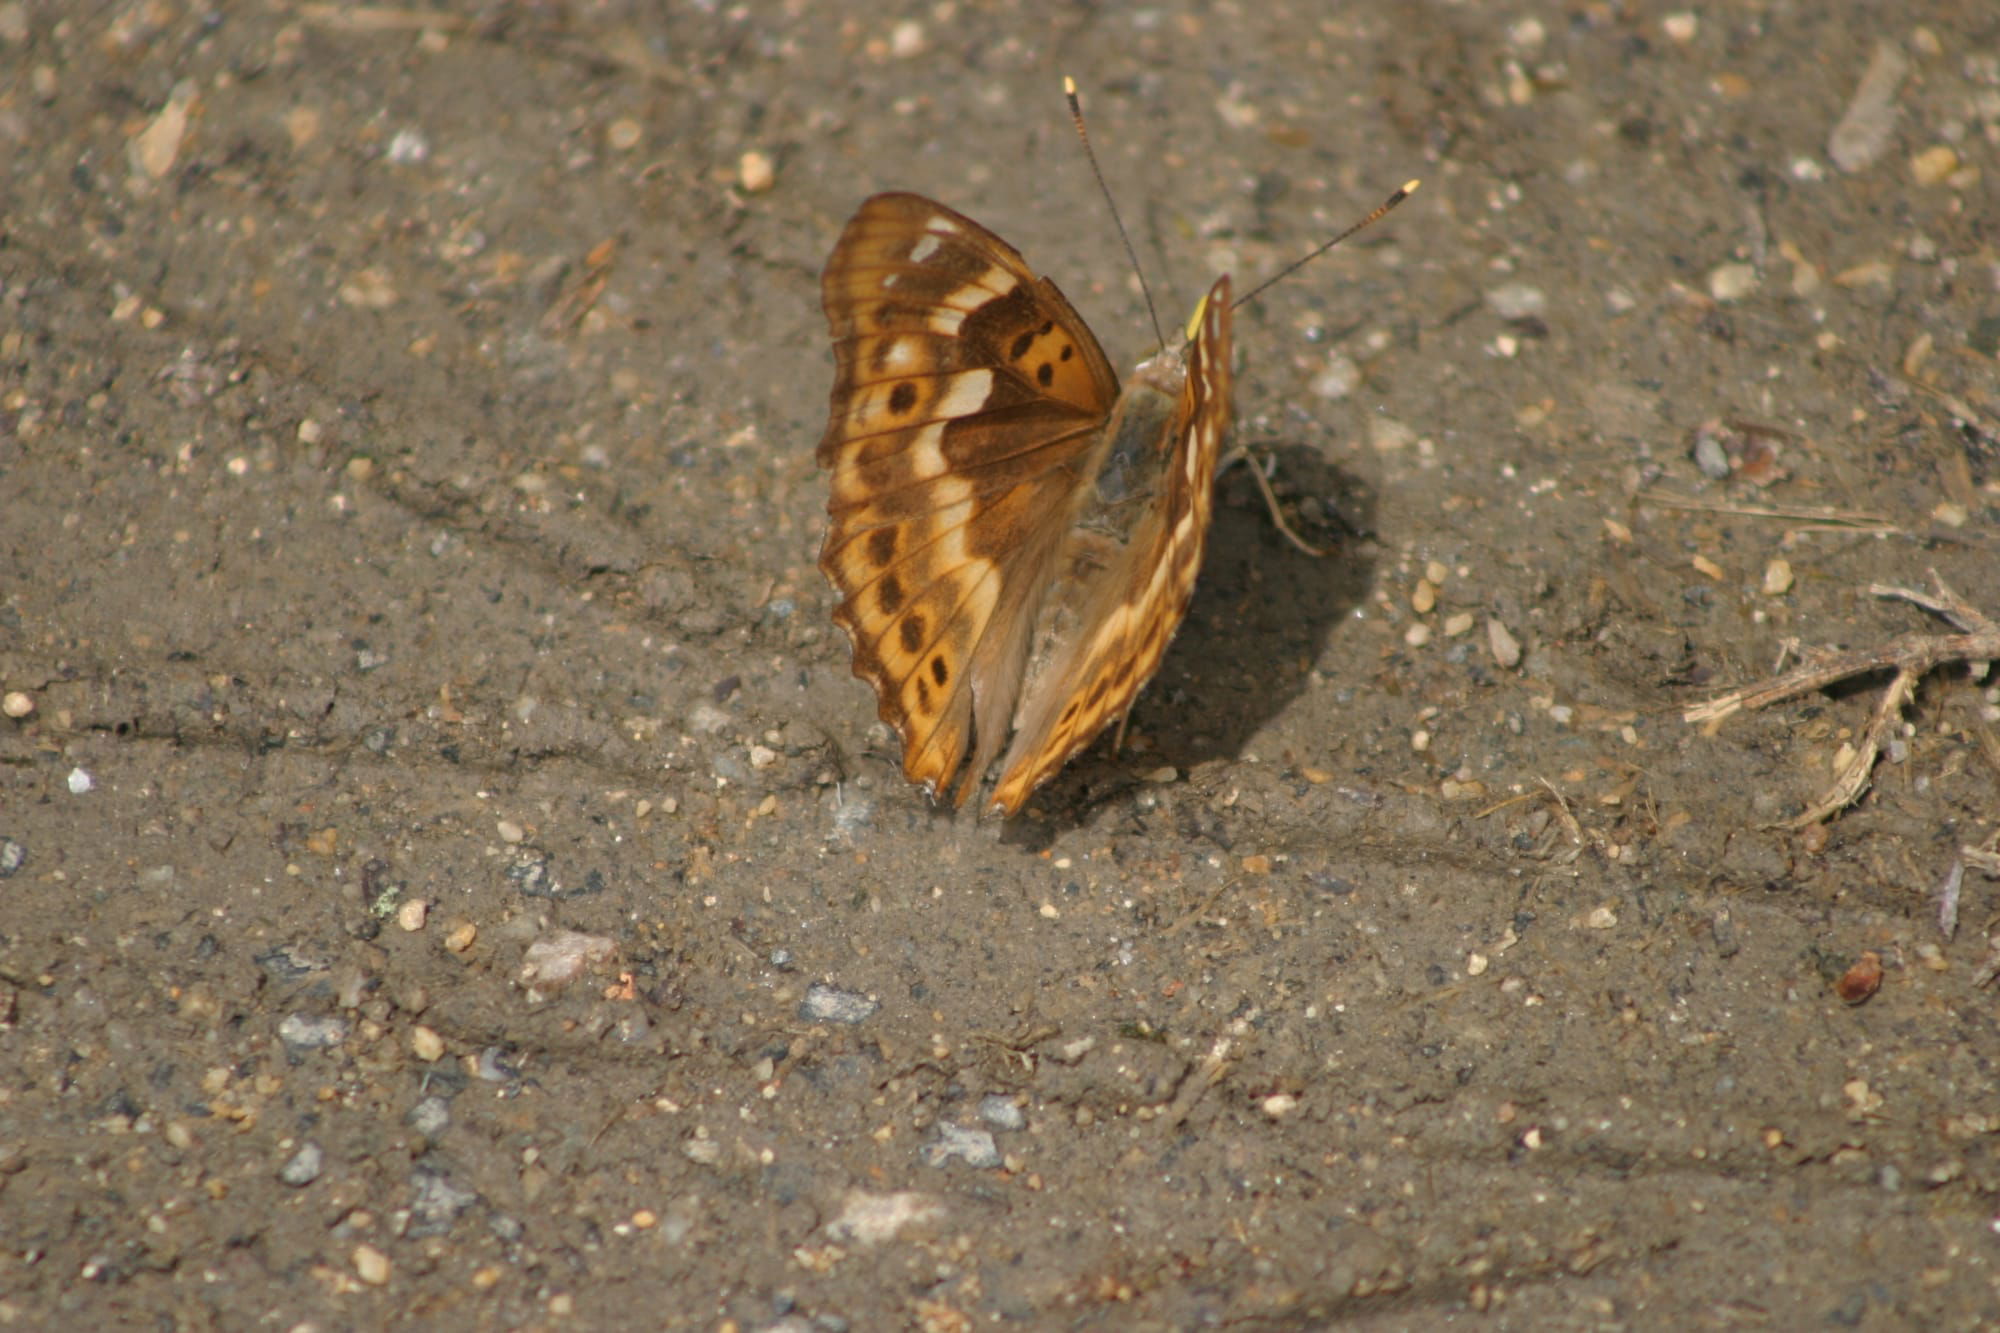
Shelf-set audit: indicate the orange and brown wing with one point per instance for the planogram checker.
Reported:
(1136, 601)
(966, 391)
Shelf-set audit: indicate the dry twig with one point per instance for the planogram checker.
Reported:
(1810, 515)
(1911, 656)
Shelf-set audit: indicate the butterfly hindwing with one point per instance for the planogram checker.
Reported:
(1128, 591)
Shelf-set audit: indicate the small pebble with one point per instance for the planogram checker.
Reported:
(426, 1044)
(493, 1066)
(435, 1202)
(412, 914)
(999, 1111)
(1680, 28)
(624, 135)
(871, 1219)
(304, 1166)
(461, 939)
(79, 782)
(17, 704)
(754, 173)
(830, 1004)
(1778, 577)
(1073, 1051)
(907, 39)
(13, 856)
(1861, 980)
(1506, 649)
(1386, 435)
(307, 1032)
(369, 289)
(1732, 282)
(1279, 1105)
(1934, 165)
(431, 1117)
(1710, 453)
(559, 957)
(371, 1265)
(705, 719)
(408, 148)
(1424, 598)
(1516, 300)
(974, 1147)
(154, 149)
(1340, 378)
(1868, 125)
(1457, 624)
(509, 831)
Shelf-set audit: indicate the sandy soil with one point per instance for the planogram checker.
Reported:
(407, 536)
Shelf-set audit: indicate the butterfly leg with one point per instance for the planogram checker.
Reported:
(1241, 454)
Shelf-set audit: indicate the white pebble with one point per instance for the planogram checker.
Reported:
(1869, 123)
(408, 148)
(1732, 281)
(755, 173)
(371, 1265)
(1516, 300)
(1340, 378)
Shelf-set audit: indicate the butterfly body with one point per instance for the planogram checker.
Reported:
(1013, 537)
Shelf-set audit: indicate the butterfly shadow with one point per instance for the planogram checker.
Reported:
(1262, 617)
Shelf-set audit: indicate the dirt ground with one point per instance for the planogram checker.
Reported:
(407, 536)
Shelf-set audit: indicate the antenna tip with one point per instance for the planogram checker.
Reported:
(1069, 86)
(1410, 186)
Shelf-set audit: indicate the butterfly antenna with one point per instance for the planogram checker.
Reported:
(1409, 188)
(1076, 118)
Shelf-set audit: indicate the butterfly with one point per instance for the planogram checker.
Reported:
(1013, 536)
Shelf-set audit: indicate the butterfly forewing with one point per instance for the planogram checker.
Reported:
(966, 392)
